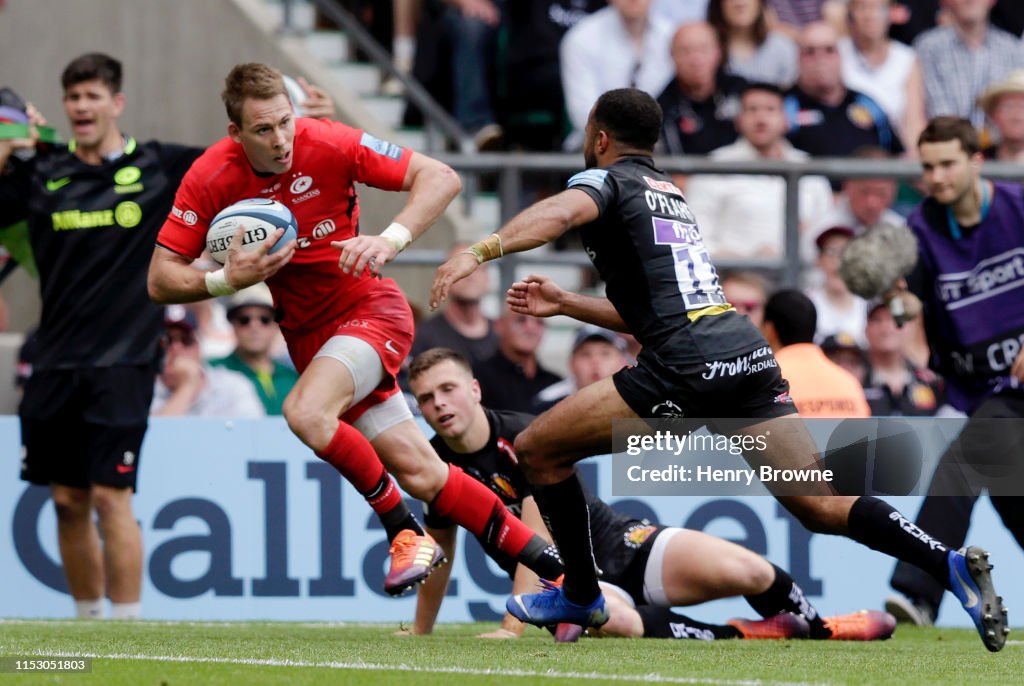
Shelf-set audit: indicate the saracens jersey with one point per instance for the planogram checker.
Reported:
(496, 466)
(647, 247)
(92, 228)
(328, 159)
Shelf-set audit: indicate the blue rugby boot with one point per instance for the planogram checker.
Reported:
(969, 575)
(551, 607)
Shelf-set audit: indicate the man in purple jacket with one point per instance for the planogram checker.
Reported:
(969, 278)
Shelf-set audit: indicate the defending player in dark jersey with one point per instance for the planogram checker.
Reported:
(699, 359)
(646, 568)
(93, 208)
(348, 331)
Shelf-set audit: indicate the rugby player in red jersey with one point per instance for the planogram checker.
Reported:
(347, 329)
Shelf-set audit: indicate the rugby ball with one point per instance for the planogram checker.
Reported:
(260, 217)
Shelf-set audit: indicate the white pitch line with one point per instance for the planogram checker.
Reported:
(376, 667)
(208, 624)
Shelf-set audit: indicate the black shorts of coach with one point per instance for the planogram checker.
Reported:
(85, 426)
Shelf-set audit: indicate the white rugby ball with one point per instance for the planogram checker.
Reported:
(260, 217)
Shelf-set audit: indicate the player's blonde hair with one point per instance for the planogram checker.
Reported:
(250, 80)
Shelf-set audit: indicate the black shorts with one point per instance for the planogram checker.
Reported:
(85, 426)
(746, 386)
(623, 560)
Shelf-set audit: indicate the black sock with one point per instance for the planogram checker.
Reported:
(785, 595)
(661, 622)
(564, 509)
(878, 525)
(542, 558)
(398, 518)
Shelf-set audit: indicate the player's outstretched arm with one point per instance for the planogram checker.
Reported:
(539, 296)
(431, 593)
(432, 185)
(531, 228)
(173, 279)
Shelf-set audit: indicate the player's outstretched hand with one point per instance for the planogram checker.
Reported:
(317, 103)
(243, 268)
(537, 296)
(364, 252)
(500, 634)
(9, 145)
(457, 268)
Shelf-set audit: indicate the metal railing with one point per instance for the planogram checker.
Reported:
(438, 123)
(509, 168)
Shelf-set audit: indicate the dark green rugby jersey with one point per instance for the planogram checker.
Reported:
(92, 229)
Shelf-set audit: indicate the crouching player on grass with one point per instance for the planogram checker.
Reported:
(647, 568)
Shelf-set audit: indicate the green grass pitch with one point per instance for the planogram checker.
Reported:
(230, 653)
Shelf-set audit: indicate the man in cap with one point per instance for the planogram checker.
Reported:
(251, 313)
(1004, 105)
(188, 387)
(844, 350)
(893, 385)
(597, 353)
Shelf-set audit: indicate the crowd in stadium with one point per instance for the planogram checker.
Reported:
(736, 80)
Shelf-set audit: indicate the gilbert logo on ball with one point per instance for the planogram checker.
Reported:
(259, 216)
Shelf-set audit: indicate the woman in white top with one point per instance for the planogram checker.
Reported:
(883, 69)
(750, 49)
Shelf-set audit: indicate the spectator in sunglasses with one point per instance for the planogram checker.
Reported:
(747, 292)
(251, 313)
(188, 387)
(827, 119)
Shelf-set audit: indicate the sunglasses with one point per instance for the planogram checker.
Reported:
(745, 306)
(245, 320)
(818, 49)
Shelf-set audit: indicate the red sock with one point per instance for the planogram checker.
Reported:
(351, 454)
(470, 504)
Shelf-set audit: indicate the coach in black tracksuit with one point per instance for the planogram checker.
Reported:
(94, 209)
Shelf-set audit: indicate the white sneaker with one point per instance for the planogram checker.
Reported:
(907, 612)
(391, 86)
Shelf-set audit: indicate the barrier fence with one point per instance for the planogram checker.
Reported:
(241, 521)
